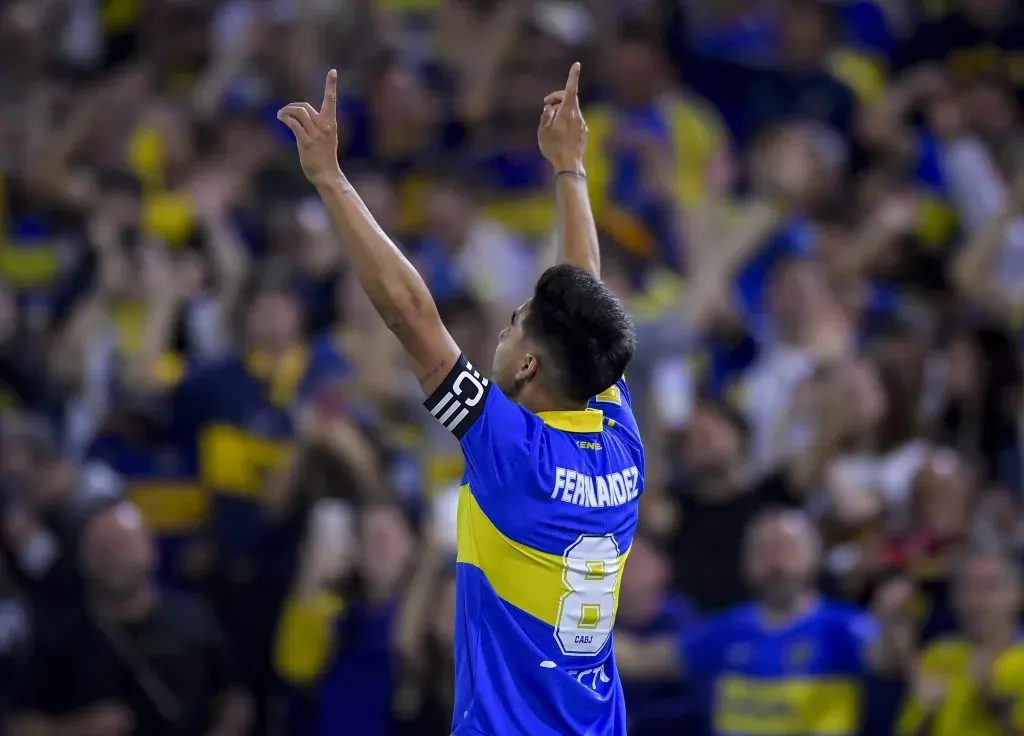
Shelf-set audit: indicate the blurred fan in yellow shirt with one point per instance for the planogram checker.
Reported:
(644, 108)
(972, 684)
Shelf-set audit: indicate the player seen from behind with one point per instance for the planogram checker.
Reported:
(554, 463)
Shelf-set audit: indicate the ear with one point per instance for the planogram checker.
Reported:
(528, 369)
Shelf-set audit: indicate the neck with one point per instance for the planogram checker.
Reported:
(275, 352)
(128, 607)
(779, 615)
(535, 399)
(997, 639)
(542, 404)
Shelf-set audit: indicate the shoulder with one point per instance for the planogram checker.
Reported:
(715, 636)
(945, 653)
(845, 619)
(701, 117)
(1012, 660)
(733, 621)
(326, 356)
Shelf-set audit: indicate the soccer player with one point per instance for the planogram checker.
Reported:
(554, 463)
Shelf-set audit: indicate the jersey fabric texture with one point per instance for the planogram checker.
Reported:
(547, 512)
(802, 679)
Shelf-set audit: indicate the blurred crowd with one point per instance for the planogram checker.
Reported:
(223, 509)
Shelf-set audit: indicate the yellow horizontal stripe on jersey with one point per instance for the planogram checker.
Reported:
(781, 707)
(521, 576)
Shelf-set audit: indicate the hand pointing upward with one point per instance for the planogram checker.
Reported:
(316, 133)
(562, 134)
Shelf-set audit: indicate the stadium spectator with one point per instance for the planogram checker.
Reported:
(339, 621)
(979, 665)
(647, 609)
(129, 658)
(740, 662)
(811, 208)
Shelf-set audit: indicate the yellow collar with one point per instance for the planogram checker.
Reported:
(283, 376)
(588, 421)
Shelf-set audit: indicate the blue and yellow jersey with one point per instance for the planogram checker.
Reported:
(937, 221)
(802, 679)
(690, 131)
(238, 413)
(163, 481)
(547, 512)
(962, 712)
(29, 242)
(517, 191)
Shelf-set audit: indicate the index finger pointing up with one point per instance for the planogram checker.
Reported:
(330, 104)
(572, 86)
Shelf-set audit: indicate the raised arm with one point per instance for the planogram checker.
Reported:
(397, 291)
(562, 136)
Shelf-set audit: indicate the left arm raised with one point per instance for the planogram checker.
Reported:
(395, 288)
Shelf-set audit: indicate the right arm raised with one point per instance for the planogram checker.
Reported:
(395, 288)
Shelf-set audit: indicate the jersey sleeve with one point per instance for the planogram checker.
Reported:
(496, 434)
(617, 406)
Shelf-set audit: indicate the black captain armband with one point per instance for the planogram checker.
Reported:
(459, 401)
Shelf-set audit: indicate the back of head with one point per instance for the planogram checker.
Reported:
(583, 330)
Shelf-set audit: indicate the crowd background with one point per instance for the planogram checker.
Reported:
(813, 208)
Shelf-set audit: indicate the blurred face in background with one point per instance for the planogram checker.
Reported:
(450, 213)
(991, 111)
(245, 144)
(386, 546)
(643, 584)
(273, 321)
(52, 481)
(712, 450)
(401, 99)
(117, 552)
(788, 157)
(806, 32)
(942, 497)
(963, 377)
(515, 110)
(781, 561)
(637, 73)
(190, 273)
(987, 597)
